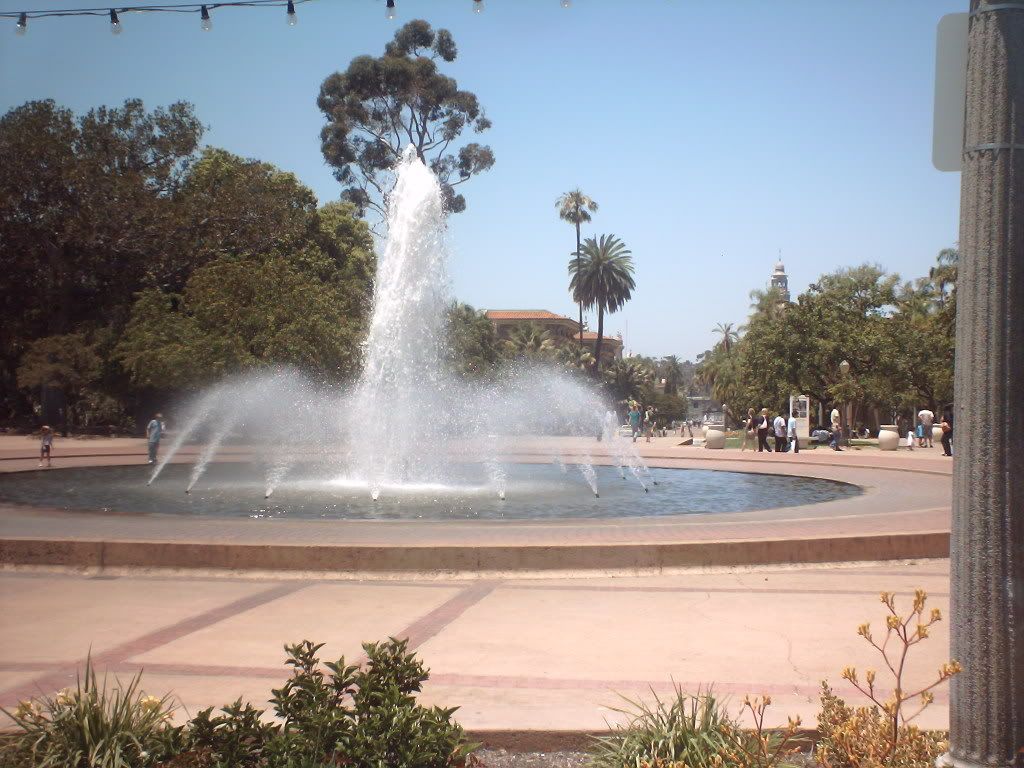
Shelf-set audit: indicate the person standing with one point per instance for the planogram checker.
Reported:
(46, 446)
(749, 431)
(763, 425)
(154, 431)
(650, 423)
(634, 419)
(791, 433)
(837, 429)
(947, 433)
(927, 419)
(779, 427)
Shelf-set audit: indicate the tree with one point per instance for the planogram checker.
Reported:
(575, 357)
(67, 364)
(729, 335)
(473, 343)
(943, 275)
(379, 105)
(602, 277)
(237, 314)
(85, 215)
(575, 208)
(627, 378)
(670, 369)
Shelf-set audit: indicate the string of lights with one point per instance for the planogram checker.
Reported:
(204, 10)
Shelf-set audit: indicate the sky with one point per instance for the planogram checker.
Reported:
(713, 135)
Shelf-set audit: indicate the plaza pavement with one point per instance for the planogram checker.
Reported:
(544, 653)
(514, 654)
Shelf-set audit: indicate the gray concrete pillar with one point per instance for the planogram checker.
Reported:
(987, 550)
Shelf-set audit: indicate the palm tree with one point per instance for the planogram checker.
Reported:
(767, 302)
(728, 334)
(530, 341)
(671, 370)
(943, 274)
(573, 356)
(575, 208)
(627, 378)
(602, 276)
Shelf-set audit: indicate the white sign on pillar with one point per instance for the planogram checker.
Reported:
(950, 91)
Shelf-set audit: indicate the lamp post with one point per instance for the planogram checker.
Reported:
(844, 369)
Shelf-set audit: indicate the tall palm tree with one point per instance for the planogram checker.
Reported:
(575, 208)
(602, 277)
(728, 334)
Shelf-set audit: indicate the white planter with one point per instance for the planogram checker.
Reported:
(936, 434)
(888, 439)
(714, 438)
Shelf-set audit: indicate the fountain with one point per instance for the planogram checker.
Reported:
(408, 425)
(410, 439)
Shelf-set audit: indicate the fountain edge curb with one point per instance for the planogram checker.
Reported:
(99, 554)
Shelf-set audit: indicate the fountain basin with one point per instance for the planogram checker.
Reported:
(317, 492)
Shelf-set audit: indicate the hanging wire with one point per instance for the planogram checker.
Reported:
(161, 8)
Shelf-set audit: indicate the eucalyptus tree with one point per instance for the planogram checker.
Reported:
(380, 105)
(602, 276)
(575, 208)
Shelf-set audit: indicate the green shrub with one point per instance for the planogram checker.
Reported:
(692, 731)
(92, 726)
(335, 714)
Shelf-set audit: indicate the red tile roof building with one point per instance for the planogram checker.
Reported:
(559, 326)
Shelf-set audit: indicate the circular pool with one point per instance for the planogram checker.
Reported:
(532, 491)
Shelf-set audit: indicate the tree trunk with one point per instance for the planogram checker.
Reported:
(600, 338)
(578, 272)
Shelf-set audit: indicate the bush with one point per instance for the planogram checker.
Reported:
(692, 732)
(883, 735)
(92, 727)
(359, 717)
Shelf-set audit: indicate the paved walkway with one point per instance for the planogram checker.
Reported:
(514, 654)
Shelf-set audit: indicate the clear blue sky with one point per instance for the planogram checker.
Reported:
(712, 134)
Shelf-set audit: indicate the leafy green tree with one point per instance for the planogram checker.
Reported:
(575, 208)
(602, 277)
(229, 205)
(238, 314)
(67, 364)
(85, 215)
(474, 346)
(379, 105)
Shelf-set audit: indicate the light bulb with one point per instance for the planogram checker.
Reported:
(22, 26)
(293, 17)
(115, 23)
(205, 22)
(567, 3)
(389, 12)
(478, 6)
